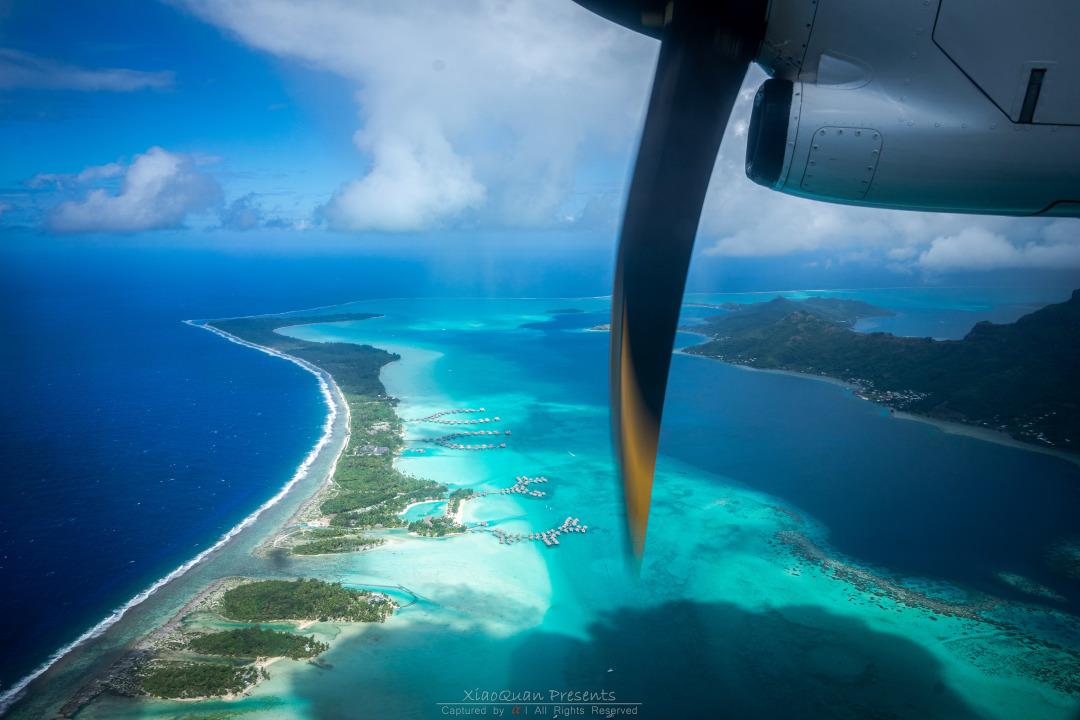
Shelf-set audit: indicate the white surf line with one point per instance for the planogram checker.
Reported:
(329, 389)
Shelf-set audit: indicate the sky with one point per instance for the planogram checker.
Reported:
(363, 123)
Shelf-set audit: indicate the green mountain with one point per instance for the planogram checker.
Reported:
(744, 316)
(1020, 378)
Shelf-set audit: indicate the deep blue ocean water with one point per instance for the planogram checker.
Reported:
(131, 441)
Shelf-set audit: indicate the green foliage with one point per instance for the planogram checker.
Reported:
(321, 533)
(190, 680)
(747, 317)
(353, 500)
(382, 517)
(456, 498)
(366, 485)
(375, 421)
(339, 544)
(252, 642)
(371, 493)
(435, 526)
(267, 600)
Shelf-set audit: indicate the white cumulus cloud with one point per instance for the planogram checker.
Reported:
(742, 219)
(416, 181)
(497, 113)
(977, 248)
(158, 190)
(470, 108)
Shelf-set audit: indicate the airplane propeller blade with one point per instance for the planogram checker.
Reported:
(705, 50)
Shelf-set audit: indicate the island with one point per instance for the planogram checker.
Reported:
(366, 491)
(254, 642)
(190, 659)
(841, 312)
(436, 526)
(304, 599)
(1018, 378)
(239, 631)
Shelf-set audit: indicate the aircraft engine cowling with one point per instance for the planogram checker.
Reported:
(845, 146)
(947, 105)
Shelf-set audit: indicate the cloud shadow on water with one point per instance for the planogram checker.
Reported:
(679, 660)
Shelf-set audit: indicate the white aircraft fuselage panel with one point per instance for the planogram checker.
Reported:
(1008, 47)
(975, 104)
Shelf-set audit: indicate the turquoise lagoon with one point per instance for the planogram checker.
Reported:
(724, 619)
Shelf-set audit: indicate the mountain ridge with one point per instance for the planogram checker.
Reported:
(1019, 378)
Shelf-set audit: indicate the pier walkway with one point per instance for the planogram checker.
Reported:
(548, 537)
(447, 441)
(441, 417)
(523, 485)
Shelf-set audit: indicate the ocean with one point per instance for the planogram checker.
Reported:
(163, 437)
(131, 441)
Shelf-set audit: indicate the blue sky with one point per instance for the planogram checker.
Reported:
(88, 86)
(257, 125)
(368, 123)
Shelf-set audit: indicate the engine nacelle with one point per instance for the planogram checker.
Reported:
(918, 117)
(845, 146)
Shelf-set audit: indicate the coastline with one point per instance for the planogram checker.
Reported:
(335, 401)
(953, 428)
(336, 405)
(385, 567)
(987, 435)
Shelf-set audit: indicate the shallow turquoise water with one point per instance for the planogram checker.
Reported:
(724, 620)
(423, 510)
